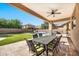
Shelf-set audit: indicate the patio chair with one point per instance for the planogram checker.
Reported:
(53, 46)
(58, 32)
(58, 43)
(37, 49)
(35, 36)
(40, 34)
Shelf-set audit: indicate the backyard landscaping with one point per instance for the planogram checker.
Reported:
(15, 38)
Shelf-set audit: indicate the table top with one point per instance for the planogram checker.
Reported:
(45, 39)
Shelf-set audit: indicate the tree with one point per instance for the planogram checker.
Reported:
(17, 24)
(13, 23)
(3, 23)
(44, 26)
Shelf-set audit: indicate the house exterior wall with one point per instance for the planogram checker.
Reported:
(75, 31)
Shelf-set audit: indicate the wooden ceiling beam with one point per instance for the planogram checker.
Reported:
(62, 19)
(26, 9)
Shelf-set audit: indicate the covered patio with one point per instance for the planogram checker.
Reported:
(66, 14)
(43, 11)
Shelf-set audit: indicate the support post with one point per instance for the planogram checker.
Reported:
(50, 28)
(67, 28)
(71, 23)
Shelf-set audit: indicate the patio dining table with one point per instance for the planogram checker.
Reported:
(45, 40)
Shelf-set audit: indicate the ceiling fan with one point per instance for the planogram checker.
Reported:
(53, 12)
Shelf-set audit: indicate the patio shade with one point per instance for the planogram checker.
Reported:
(40, 10)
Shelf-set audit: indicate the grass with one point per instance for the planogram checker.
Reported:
(15, 38)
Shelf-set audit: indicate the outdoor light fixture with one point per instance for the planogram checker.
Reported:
(53, 12)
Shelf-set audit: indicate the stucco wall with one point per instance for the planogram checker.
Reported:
(75, 31)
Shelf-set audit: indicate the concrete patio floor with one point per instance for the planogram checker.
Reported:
(21, 49)
(14, 49)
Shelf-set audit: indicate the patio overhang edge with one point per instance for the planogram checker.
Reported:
(62, 19)
(26, 9)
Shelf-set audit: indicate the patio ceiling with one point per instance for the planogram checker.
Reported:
(40, 10)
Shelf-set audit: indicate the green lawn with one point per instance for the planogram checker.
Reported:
(15, 38)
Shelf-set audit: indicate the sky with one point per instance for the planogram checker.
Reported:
(9, 12)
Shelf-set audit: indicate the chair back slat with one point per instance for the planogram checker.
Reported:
(58, 39)
(40, 35)
(35, 36)
(31, 45)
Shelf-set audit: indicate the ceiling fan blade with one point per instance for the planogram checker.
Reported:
(58, 13)
(49, 15)
(55, 10)
(48, 12)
